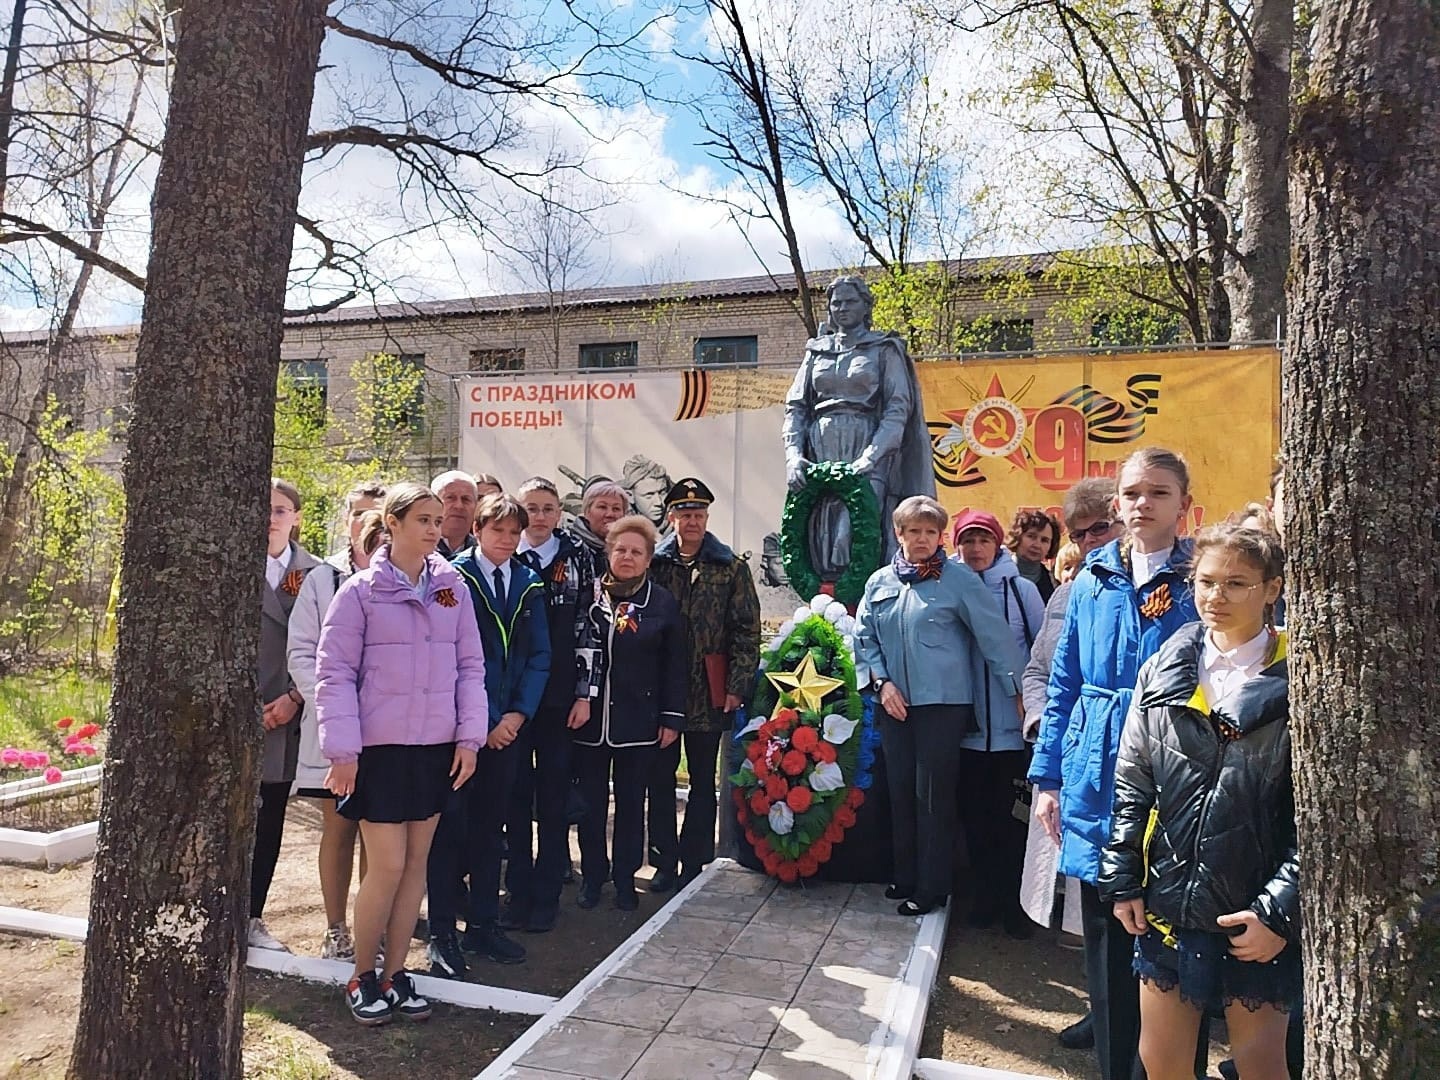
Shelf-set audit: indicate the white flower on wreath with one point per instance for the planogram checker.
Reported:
(747, 766)
(801, 614)
(819, 602)
(782, 818)
(753, 725)
(837, 729)
(824, 777)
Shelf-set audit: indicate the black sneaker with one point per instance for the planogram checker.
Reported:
(542, 919)
(514, 916)
(367, 1004)
(405, 1001)
(488, 940)
(1079, 1035)
(446, 959)
(626, 899)
(589, 896)
(662, 881)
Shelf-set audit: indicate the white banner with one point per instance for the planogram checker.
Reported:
(646, 430)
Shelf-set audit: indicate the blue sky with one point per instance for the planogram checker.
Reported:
(642, 154)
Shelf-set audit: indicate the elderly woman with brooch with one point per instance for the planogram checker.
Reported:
(641, 704)
(942, 661)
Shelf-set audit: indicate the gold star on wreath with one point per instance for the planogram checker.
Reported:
(805, 684)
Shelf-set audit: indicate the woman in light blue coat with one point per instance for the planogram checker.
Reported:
(947, 674)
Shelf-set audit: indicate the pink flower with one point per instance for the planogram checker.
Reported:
(72, 746)
(41, 759)
(52, 775)
(88, 750)
(10, 756)
(29, 759)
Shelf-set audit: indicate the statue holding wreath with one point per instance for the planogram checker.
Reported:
(855, 445)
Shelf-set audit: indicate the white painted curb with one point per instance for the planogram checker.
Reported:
(336, 972)
(935, 1069)
(562, 1009)
(910, 999)
(48, 849)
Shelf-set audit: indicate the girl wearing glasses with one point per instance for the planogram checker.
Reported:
(1204, 767)
(1131, 596)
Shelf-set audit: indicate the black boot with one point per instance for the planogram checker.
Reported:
(1079, 1035)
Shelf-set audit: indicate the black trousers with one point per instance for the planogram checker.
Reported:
(994, 837)
(631, 772)
(695, 845)
(269, 831)
(470, 841)
(921, 762)
(536, 865)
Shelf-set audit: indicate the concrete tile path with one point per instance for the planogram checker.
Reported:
(746, 979)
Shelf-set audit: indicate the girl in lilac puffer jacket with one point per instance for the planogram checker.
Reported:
(400, 688)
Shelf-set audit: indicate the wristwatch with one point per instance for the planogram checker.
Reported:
(878, 685)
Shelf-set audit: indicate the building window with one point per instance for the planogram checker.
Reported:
(396, 393)
(497, 359)
(310, 382)
(613, 354)
(123, 410)
(1131, 329)
(1005, 335)
(727, 352)
(68, 390)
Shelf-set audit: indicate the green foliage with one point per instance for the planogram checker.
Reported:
(324, 456)
(836, 478)
(30, 704)
(59, 581)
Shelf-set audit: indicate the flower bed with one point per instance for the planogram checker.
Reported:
(50, 823)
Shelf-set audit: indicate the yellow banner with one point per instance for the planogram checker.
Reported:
(1016, 434)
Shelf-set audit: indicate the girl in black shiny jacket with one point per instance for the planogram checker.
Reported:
(1201, 864)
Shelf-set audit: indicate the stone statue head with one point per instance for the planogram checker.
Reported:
(857, 285)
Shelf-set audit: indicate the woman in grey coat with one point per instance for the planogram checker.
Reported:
(286, 566)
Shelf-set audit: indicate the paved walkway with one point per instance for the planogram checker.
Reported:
(747, 979)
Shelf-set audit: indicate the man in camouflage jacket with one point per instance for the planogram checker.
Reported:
(717, 597)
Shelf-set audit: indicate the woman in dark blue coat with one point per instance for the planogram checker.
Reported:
(644, 670)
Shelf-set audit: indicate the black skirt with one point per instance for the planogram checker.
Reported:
(395, 784)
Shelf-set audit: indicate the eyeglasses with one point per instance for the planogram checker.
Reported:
(1095, 532)
(1230, 591)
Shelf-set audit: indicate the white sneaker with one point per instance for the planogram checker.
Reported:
(338, 944)
(260, 938)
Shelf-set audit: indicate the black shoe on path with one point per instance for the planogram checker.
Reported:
(542, 920)
(446, 959)
(1079, 1035)
(589, 896)
(663, 881)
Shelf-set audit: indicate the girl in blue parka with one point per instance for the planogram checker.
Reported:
(1128, 599)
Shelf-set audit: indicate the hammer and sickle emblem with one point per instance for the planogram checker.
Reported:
(994, 429)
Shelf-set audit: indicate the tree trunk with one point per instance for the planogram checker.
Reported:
(1257, 275)
(7, 91)
(163, 989)
(1362, 447)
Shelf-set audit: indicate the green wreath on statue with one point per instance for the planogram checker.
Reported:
(835, 478)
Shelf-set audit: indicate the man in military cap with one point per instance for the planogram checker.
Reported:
(717, 596)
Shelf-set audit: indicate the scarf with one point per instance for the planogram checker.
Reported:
(621, 590)
(928, 570)
(586, 535)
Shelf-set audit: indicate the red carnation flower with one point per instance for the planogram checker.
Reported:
(799, 798)
(805, 739)
(808, 865)
(64, 722)
(855, 798)
(762, 847)
(755, 751)
(759, 803)
(794, 762)
(762, 769)
(845, 817)
(788, 872)
(787, 716)
(87, 731)
(822, 849)
(834, 833)
(776, 788)
(771, 863)
(825, 752)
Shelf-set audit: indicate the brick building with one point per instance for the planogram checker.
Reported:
(743, 320)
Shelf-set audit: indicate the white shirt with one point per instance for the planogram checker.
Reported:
(421, 587)
(1222, 673)
(546, 552)
(489, 569)
(275, 567)
(1145, 565)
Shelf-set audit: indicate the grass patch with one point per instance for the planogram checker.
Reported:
(31, 703)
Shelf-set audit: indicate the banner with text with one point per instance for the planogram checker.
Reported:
(1006, 434)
